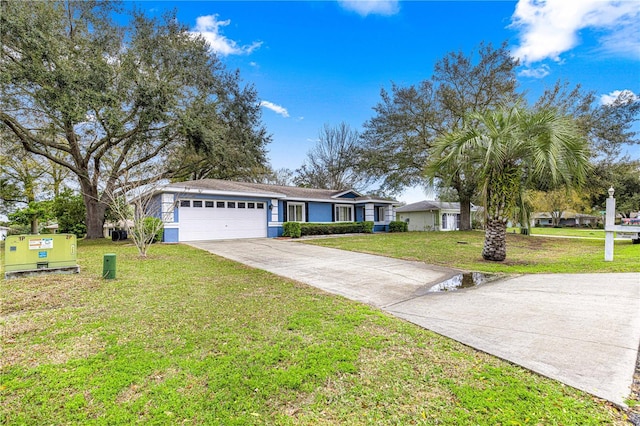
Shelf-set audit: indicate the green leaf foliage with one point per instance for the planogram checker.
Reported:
(70, 213)
(398, 226)
(333, 228)
(292, 229)
(104, 99)
(511, 147)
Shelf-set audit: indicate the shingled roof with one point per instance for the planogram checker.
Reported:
(422, 206)
(275, 191)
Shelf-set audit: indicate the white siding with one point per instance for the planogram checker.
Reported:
(419, 221)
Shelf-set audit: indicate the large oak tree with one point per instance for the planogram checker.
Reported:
(106, 100)
(397, 142)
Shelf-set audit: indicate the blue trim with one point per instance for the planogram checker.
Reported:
(170, 235)
(274, 231)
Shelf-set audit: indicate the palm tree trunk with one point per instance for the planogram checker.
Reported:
(495, 240)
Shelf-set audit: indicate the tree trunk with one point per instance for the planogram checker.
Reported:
(34, 226)
(465, 212)
(495, 240)
(95, 210)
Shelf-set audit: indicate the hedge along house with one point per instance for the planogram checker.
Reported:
(213, 209)
(430, 216)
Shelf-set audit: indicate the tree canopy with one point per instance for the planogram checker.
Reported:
(398, 141)
(103, 99)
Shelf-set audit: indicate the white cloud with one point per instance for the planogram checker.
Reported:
(208, 27)
(549, 28)
(371, 7)
(623, 42)
(275, 108)
(538, 72)
(622, 96)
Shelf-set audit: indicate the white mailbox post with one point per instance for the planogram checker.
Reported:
(624, 231)
(609, 224)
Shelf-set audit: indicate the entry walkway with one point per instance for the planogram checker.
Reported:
(580, 329)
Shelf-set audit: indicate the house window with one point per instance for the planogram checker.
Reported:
(260, 205)
(251, 205)
(344, 213)
(185, 203)
(220, 204)
(197, 203)
(168, 205)
(231, 204)
(380, 211)
(444, 221)
(208, 204)
(295, 212)
(242, 204)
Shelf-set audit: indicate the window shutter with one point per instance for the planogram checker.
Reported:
(285, 211)
(306, 212)
(333, 212)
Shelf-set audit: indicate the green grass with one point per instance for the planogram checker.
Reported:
(187, 337)
(525, 254)
(565, 232)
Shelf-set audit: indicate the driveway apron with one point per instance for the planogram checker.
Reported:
(580, 329)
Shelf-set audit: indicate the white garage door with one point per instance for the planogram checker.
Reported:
(220, 220)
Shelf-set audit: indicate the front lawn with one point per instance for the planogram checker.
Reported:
(565, 232)
(525, 254)
(185, 337)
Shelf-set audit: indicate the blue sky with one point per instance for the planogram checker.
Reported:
(317, 62)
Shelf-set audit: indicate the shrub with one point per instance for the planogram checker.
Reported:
(292, 229)
(398, 226)
(367, 227)
(151, 231)
(332, 228)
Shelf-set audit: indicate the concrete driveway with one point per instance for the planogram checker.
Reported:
(580, 329)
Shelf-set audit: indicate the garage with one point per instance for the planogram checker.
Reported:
(221, 219)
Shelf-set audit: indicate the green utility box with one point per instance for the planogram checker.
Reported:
(36, 254)
(109, 266)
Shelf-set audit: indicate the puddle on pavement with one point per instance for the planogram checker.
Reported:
(466, 280)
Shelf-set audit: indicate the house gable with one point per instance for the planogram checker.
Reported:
(348, 194)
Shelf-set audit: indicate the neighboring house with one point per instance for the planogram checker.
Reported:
(566, 219)
(52, 229)
(430, 216)
(108, 227)
(213, 209)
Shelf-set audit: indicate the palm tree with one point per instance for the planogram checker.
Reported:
(512, 146)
